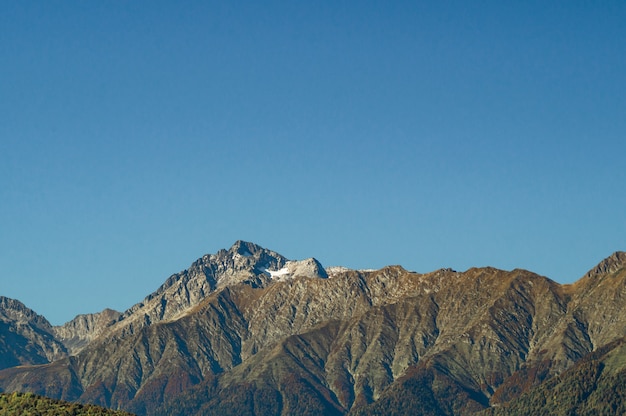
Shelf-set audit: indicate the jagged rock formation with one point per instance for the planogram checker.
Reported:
(28, 338)
(611, 264)
(83, 329)
(247, 331)
(244, 262)
(25, 337)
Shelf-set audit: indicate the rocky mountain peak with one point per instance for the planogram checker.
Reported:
(244, 263)
(245, 248)
(15, 311)
(25, 336)
(81, 330)
(310, 268)
(609, 265)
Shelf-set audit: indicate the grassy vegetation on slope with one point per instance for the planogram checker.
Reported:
(31, 404)
(596, 385)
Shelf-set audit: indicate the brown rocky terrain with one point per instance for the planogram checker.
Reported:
(247, 331)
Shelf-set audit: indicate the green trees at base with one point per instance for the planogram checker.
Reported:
(28, 404)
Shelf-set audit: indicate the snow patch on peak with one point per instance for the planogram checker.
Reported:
(306, 268)
(282, 274)
(335, 270)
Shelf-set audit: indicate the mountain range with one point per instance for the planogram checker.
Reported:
(247, 331)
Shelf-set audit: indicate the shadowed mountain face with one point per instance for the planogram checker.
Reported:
(596, 384)
(25, 337)
(247, 331)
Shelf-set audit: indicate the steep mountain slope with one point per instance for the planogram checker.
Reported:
(392, 322)
(599, 300)
(594, 317)
(243, 263)
(25, 337)
(247, 331)
(595, 385)
(28, 338)
(83, 329)
(136, 350)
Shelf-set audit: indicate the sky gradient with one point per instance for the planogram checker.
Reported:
(137, 136)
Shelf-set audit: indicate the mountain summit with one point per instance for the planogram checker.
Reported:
(247, 331)
(611, 264)
(244, 263)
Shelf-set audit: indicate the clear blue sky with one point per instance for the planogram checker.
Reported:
(137, 136)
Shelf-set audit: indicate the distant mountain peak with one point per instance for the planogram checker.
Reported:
(13, 309)
(245, 248)
(609, 265)
(243, 263)
(84, 328)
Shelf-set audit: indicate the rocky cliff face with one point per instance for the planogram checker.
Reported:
(247, 331)
(610, 265)
(26, 337)
(244, 263)
(83, 329)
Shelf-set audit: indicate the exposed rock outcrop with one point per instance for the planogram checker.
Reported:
(26, 337)
(611, 264)
(83, 329)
